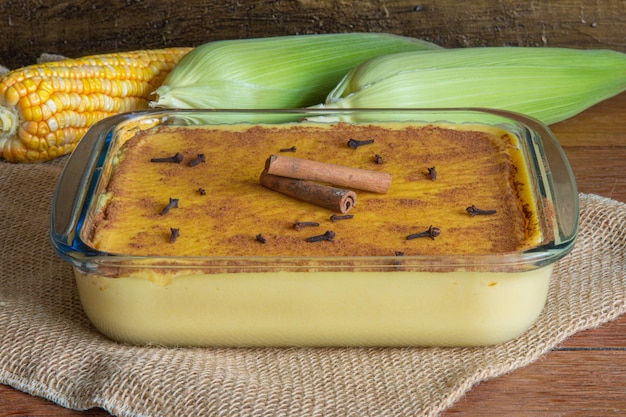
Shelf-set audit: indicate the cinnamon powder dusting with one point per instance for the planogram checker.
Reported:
(473, 167)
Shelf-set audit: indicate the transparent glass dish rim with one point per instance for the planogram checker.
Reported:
(549, 169)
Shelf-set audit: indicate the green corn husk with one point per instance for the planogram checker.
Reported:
(549, 84)
(272, 73)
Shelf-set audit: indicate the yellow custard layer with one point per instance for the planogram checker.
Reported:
(475, 166)
(317, 308)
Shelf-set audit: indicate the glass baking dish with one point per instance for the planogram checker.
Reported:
(446, 300)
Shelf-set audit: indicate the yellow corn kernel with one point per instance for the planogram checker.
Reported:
(45, 109)
(42, 131)
(31, 84)
(13, 93)
(31, 127)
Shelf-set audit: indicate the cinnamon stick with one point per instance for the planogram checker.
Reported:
(306, 169)
(335, 199)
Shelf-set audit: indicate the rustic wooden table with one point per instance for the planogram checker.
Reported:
(584, 376)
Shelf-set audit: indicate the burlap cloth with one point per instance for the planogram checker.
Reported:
(48, 347)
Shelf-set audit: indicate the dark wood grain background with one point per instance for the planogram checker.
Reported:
(82, 27)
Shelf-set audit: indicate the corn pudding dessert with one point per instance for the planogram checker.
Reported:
(313, 232)
(222, 209)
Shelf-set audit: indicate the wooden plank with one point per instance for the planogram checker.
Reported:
(562, 383)
(595, 144)
(598, 125)
(611, 335)
(607, 178)
(16, 403)
(80, 27)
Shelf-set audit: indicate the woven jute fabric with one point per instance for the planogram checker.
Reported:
(48, 347)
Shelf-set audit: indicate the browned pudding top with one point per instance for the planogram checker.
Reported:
(222, 208)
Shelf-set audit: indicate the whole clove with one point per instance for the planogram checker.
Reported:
(355, 143)
(473, 211)
(172, 204)
(302, 225)
(202, 191)
(336, 217)
(197, 160)
(174, 234)
(328, 236)
(432, 172)
(378, 159)
(432, 233)
(260, 238)
(292, 149)
(177, 158)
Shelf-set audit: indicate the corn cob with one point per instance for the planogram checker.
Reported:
(46, 108)
(275, 72)
(550, 84)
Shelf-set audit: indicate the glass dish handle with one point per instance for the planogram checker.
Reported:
(562, 188)
(72, 186)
